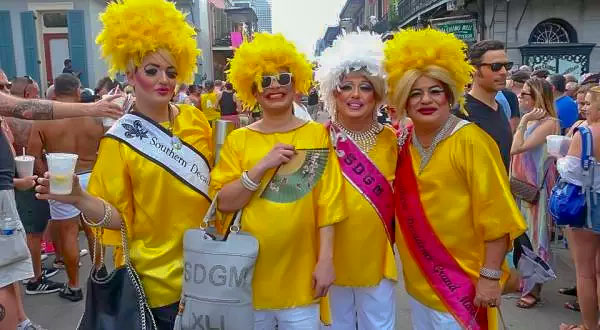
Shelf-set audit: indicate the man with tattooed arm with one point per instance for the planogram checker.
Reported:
(79, 136)
(12, 315)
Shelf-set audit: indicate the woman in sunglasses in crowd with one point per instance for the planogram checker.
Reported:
(142, 179)
(352, 85)
(451, 238)
(531, 164)
(283, 173)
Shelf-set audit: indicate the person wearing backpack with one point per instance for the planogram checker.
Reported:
(585, 241)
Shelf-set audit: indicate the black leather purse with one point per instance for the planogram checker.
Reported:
(117, 300)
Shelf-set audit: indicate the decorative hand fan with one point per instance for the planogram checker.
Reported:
(298, 177)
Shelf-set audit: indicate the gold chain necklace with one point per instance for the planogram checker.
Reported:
(366, 139)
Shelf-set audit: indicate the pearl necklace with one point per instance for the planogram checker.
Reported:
(365, 139)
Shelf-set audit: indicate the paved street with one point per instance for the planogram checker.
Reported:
(58, 314)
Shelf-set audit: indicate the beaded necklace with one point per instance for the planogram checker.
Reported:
(365, 139)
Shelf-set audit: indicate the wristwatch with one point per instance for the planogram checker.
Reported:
(490, 274)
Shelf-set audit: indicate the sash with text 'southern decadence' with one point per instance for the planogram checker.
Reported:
(155, 143)
(449, 281)
(362, 173)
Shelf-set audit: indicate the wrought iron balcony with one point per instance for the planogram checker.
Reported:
(409, 8)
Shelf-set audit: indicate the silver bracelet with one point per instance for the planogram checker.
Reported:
(490, 274)
(106, 219)
(248, 183)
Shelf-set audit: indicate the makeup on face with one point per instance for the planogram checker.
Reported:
(428, 103)
(348, 86)
(151, 74)
(435, 93)
(355, 95)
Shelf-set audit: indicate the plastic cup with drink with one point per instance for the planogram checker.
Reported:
(124, 101)
(558, 145)
(61, 168)
(24, 164)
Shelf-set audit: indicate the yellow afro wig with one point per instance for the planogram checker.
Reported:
(135, 28)
(424, 51)
(267, 54)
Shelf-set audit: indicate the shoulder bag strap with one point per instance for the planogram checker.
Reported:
(587, 148)
(143, 307)
(212, 211)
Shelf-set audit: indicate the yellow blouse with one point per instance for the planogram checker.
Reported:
(466, 196)
(287, 231)
(209, 106)
(363, 254)
(157, 207)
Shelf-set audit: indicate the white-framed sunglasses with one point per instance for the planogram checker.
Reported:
(283, 79)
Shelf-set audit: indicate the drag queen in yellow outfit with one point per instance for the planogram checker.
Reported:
(352, 85)
(282, 172)
(456, 215)
(152, 170)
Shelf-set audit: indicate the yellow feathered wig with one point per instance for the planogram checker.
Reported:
(267, 54)
(135, 28)
(413, 53)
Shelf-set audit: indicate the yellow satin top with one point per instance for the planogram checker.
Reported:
(157, 207)
(287, 232)
(466, 196)
(209, 106)
(363, 254)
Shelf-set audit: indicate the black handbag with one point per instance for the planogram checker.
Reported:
(117, 300)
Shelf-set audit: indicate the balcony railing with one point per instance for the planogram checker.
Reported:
(408, 8)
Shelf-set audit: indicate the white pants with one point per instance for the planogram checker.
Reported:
(299, 318)
(425, 318)
(372, 308)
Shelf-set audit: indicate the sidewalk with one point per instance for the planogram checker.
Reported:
(55, 313)
(547, 315)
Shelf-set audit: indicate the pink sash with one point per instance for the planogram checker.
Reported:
(360, 171)
(451, 284)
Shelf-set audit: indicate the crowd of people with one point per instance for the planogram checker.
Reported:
(416, 146)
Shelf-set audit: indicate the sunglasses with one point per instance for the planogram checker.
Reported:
(498, 66)
(5, 86)
(283, 79)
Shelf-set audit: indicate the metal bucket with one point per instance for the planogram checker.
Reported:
(221, 128)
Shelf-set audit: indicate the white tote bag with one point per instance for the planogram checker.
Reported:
(217, 278)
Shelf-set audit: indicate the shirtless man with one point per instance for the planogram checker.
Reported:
(80, 136)
(34, 213)
(26, 88)
(11, 305)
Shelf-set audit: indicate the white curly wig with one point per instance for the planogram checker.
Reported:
(353, 52)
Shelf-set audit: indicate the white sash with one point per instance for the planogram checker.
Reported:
(154, 142)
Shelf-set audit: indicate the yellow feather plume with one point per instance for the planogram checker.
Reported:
(418, 49)
(135, 28)
(265, 55)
